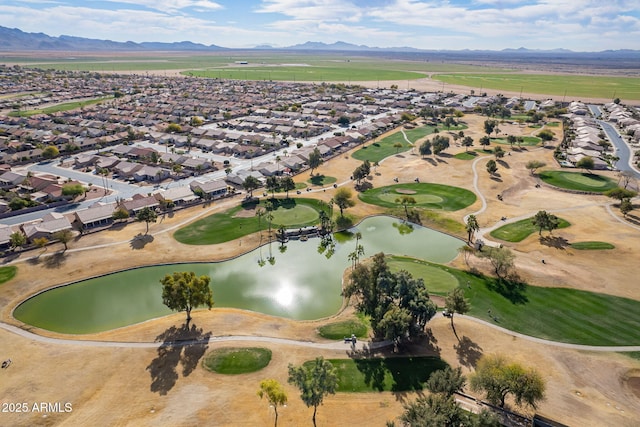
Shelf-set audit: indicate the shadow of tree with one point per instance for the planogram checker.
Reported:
(55, 260)
(182, 345)
(140, 241)
(504, 164)
(496, 178)
(554, 242)
(430, 160)
(468, 352)
(512, 288)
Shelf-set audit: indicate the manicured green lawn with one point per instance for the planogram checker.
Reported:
(385, 374)
(579, 181)
(60, 107)
(467, 155)
(437, 280)
(558, 314)
(520, 230)
(321, 180)
(593, 246)
(7, 273)
(376, 151)
(426, 195)
(553, 84)
(233, 224)
(340, 330)
(527, 141)
(233, 361)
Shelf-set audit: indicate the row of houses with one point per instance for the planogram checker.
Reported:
(101, 214)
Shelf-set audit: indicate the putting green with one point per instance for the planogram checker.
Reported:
(579, 181)
(420, 199)
(426, 195)
(436, 280)
(296, 215)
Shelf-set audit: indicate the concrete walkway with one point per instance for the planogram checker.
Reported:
(332, 345)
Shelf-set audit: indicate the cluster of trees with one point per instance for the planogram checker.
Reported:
(275, 183)
(436, 145)
(397, 304)
(17, 239)
(624, 195)
(361, 172)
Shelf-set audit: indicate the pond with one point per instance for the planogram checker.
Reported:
(301, 283)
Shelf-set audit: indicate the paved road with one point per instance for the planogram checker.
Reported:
(623, 151)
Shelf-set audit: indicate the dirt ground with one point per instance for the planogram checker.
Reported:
(151, 387)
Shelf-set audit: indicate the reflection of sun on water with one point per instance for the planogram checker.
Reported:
(284, 295)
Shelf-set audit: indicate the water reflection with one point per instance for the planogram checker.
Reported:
(294, 282)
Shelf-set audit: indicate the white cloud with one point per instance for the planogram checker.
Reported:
(172, 5)
(313, 9)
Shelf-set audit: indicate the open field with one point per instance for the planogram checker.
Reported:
(626, 88)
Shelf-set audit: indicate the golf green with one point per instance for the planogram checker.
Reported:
(426, 195)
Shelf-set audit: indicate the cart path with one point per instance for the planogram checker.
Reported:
(332, 345)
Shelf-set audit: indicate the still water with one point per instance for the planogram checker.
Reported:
(300, 283)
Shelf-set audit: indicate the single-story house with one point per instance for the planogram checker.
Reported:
(98, 214)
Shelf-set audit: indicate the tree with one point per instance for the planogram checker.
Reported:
(455, 302)
(287, 184)
(620, 193)
(447, 381)
(511, 139)
(534, 165)
(434, 410)
(41, 242)
(425, 148)
(471, 226)
(64, 236)
(343, 121)
(50, 151)
(315, 380)
(73, 190)
(397, 146)
(404, 201)
(343, 200)
(546, 135)
(250, 183)
(273, 184)
(498, 152)
(17, 240)
(499, 378)
(275, 394)
(315, 160)
(485, 141)
(492, 167)
(501, 259)
(439, 144)
(120, 213)
(184, 291)
(545, 221)
(147, 215)
(626, 206)
(467, 142)
(489, 126)
(586, 163)
(173, 127)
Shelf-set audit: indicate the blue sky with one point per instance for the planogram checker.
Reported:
(580, 25)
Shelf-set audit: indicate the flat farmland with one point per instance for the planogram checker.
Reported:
(626, 88)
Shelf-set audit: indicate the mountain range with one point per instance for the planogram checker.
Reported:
(13, 39)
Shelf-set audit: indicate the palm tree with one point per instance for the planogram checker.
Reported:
(471, 227)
